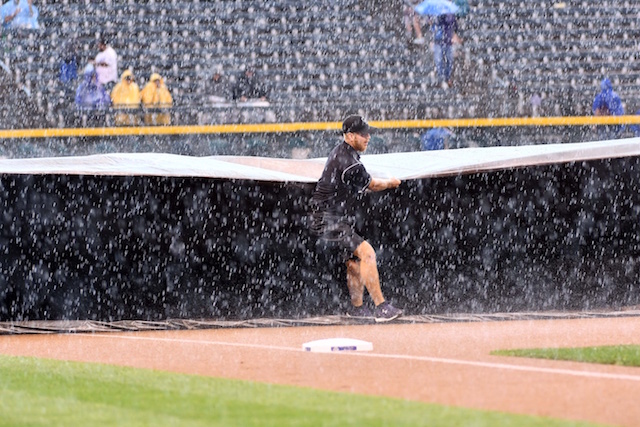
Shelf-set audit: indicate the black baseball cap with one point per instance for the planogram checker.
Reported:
(356, 124)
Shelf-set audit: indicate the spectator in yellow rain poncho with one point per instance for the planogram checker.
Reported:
(126, 95)
(155, 95)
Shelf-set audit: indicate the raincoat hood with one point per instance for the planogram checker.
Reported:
(125, 74)
(88, 73)
(608, 99)
(156, 76)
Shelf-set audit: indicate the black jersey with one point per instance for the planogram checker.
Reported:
(344, 177)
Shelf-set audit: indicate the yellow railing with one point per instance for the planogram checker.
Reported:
(316, 126)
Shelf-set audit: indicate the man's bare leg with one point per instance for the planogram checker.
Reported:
(416, 27)
(355, 286)
(364, 274)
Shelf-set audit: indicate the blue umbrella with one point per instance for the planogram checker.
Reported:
(436, 7)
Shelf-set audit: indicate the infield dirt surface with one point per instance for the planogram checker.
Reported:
(445, 363)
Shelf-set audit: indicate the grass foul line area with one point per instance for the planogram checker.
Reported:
(621, 355)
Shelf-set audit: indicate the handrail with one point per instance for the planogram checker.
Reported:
(318, 126)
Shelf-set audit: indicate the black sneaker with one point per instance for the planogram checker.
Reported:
(361, 312)
(385, 312)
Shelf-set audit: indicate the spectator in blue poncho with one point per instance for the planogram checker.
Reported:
(436, 139)
(91, 95)
(608, 103)
(21, 14)
(635, 128)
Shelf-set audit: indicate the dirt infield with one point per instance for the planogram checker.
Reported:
(447, 363)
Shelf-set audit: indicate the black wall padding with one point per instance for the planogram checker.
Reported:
(559, 237)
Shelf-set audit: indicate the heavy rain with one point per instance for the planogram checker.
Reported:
(112, 246)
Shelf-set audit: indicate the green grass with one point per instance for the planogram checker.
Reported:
(624, 355)
(40, 392)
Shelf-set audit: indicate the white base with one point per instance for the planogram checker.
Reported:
(331, 345)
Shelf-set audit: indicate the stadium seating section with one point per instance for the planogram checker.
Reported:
(324, 58)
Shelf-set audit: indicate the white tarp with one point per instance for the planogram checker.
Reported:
(404, 166)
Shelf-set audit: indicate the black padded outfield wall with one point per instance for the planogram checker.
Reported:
(558, 237)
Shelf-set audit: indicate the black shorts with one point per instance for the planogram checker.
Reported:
(336, 237)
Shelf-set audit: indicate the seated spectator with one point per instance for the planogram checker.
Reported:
(19, 14)
(156, 95)
(217, 88)
(251, 95)
(90, 93)
(217, 99)
(608, 103)
(436, 139)
(126, 95)
(249, 88)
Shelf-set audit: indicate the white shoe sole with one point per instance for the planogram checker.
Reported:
(386, 319)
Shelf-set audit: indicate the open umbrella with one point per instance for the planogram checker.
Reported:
(436, 7)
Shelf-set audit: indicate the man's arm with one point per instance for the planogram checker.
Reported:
(99, 60)
(378, 184)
